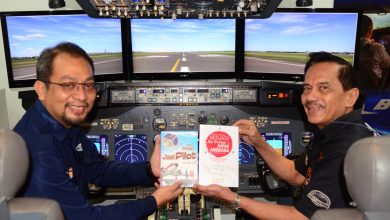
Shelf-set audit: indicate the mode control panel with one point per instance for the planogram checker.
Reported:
(245, 95)
(177, 95)
(123, 96)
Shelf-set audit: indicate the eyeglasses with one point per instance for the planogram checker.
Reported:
(71, 87)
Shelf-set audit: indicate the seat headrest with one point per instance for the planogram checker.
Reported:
(14, 163)
(367, 173)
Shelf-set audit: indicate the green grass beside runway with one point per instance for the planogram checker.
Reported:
(229, 53)
(141, 54)
(24, 62)
(19, 63)
(291, 57)
(102, 56)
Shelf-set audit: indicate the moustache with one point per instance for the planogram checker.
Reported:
(313, 104)
(83, 104)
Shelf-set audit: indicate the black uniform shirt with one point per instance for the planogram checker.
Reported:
(322, 165)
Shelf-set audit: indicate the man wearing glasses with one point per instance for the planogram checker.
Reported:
(63, 160)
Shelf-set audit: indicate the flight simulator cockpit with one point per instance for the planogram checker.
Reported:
(176, 65)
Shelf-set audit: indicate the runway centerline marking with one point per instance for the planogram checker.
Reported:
(174, 66)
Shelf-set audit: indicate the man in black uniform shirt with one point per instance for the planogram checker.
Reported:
(331, 101)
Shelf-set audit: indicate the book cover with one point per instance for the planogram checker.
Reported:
(218, 155)
(179, 157)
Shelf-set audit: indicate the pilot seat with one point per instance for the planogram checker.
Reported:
(367, 174)
(14, 163)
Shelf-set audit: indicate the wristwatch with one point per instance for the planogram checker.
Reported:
(236, 203)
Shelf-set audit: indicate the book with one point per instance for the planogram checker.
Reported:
(179, 157)
(218, 155)
(214, 160)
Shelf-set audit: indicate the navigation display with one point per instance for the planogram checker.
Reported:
(131, 148)
(246, 153)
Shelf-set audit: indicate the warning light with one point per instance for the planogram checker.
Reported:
(277, 95)
(282, 95)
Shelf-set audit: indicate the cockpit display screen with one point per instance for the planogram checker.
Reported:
(280, 141)
(131, 148)
(101, 143)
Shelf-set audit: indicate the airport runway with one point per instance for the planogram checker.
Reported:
(181, 62)
(260, 65)
(103, 66)
(184, 62)
(206, 62)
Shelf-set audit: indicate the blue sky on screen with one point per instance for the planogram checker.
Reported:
(29, 35)
(302, 32)
(183, 35)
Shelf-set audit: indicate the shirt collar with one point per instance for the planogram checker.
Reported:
(51, 124)
(365, 41)
(351, 118)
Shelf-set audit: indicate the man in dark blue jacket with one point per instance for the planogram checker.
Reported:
(63, 160)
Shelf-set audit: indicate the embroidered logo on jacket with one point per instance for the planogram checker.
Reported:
(79, 147)
(319, 199)
(70, 172)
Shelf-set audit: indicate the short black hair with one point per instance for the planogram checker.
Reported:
(366, 25)
(46, 58)
(348, 76)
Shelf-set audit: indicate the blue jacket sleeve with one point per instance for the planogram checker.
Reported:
(104, 172)
(51, 179)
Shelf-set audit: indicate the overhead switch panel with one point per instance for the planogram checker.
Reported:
(200, 9)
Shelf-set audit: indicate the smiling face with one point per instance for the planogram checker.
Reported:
(323, 97)
(68, 107)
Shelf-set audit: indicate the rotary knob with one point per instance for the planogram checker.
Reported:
(202, 119)
(224, 120)
(159, 124)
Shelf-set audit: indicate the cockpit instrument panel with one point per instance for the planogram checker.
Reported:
(179, 8)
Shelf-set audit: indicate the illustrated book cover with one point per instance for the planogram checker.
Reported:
(179, 157)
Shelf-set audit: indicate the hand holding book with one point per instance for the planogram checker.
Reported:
(216, 162)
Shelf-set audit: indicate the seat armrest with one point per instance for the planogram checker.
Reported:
(40, 208)
(4, 213)
(332, 214)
